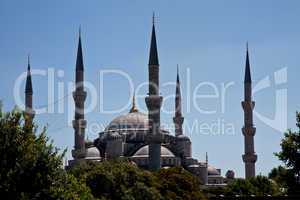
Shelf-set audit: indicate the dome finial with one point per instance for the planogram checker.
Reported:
(133, 108)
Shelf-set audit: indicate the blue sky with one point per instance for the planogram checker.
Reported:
(206, 38)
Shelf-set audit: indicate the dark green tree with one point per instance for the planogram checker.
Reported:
(30, 166)
(124, 180)
(285, 179)
(177, 183)
(290, 148)
(289, 177)
(117, 180)
(258, 186)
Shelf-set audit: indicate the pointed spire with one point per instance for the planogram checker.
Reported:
(153, 58)
(133, 108)
(79, 61)
(28, 87)
(28, 62)
(178, 96)
(206, 158)
(153, 18)
(177, 80)
(247, 70)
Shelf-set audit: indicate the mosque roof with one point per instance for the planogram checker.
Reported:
(132, 120)
(144, 152)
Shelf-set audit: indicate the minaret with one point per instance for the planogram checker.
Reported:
(248, 130)
(79, 96)
(178, 118)
(153, 102)
(29, 112)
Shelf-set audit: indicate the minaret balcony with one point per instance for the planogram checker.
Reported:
(79, 95)
(80, 123)
(153, 102)
(248, 105)
(249, 131)
(178, 120)
(250, 157)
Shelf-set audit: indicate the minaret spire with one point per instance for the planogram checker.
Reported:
(178, 119)
(28, 89)
(79, 60)
(79, 96)
(153, 58)
(153, 18)
(153, 102)
(29, 112)
(248, 130)
(247, 69)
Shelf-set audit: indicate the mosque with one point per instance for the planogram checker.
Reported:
(139, 137)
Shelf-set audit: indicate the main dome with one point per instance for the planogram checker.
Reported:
(131, 121)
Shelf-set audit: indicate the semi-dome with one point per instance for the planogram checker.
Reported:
(144, 152)
(212, 171)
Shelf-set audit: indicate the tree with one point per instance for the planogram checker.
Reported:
(290, 149)
(288, 177)
(285, 179)
(258, 186)
(117, 180)
(30, 166)
(120, 179)
(177, 183)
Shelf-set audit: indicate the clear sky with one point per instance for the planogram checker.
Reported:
(206, 38)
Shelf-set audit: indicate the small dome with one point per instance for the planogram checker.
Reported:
(212, 171)
(230, 174)
(92, 153)
(144, 152)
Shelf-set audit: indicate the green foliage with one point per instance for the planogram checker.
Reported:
(30, 167)
(177, 183)
(285, 178)
(68, 187)
(290, 156)
(123, 180)
(258, 186)
(290, 148)
(117, 180)
(282, 176)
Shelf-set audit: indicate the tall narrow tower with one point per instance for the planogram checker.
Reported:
(248, 130)
(29, 112)
(153, 102)
(79, 96)
(178, 118)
